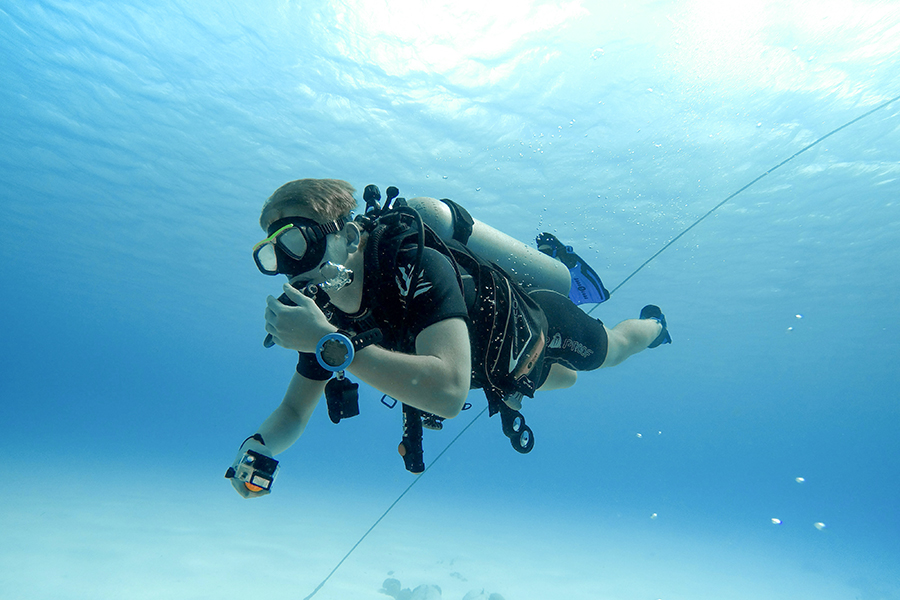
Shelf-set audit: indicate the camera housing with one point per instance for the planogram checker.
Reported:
(255, 469)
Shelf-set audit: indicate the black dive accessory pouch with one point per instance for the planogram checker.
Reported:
(342, 398)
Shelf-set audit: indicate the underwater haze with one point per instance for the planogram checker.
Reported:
(757, 456)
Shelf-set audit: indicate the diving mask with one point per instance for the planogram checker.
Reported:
(295, 245)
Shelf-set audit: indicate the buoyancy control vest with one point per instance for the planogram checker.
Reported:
(507, 329)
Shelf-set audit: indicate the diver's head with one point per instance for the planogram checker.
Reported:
(308, 226)
(319, 199)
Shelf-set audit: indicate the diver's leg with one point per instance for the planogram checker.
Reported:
(628, 338)
(574, 340)
(559, 377)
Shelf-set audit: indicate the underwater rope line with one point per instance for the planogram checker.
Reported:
(389, 508)
(720, 204)
(636, 271)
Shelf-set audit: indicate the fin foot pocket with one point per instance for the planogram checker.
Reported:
(651, 311)
(550, 245)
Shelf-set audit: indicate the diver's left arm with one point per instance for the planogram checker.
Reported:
(435, 379)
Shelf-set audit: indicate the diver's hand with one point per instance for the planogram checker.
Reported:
(297, 327)
(237, 484)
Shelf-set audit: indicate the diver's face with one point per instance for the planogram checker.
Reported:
(335, 252)
(333, 249)
(300, 252)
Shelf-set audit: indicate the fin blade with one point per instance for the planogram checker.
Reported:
(587, 288)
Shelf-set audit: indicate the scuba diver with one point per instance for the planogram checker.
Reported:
(423, 303)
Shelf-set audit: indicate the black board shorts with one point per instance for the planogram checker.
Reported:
(574, 339)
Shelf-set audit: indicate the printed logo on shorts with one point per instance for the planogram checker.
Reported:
(556, 342)
(577, 347)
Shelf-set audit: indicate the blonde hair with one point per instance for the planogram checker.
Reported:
(323, 199)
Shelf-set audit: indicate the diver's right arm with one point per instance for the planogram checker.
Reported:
(280, 430)
(285, 425)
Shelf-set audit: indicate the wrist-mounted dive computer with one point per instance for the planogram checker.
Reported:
(335, 351)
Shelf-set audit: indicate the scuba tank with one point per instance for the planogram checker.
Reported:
(531, 268)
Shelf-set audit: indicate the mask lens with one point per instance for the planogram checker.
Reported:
(293, 242)
(266, 259)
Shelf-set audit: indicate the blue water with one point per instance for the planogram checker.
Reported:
(137, 144)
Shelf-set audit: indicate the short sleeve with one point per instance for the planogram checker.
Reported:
(437, 295)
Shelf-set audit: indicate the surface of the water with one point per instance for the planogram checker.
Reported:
(138, 143)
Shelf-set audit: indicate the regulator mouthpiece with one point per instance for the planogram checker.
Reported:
(336, 277)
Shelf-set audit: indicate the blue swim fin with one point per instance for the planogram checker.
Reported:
(586, 285)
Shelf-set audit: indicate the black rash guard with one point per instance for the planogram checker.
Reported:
(385, 296)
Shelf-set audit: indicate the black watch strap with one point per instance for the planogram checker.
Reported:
(366, 338)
